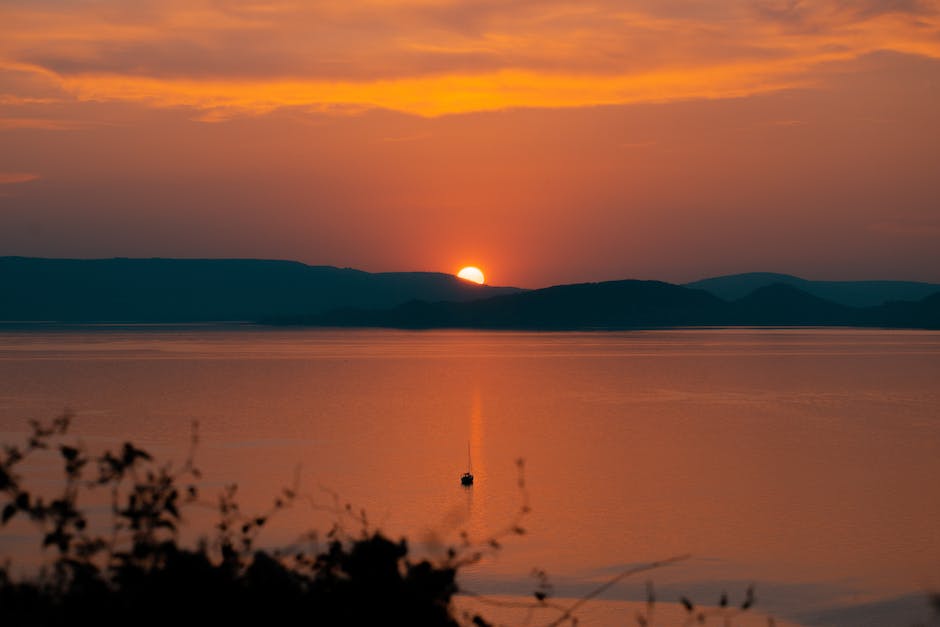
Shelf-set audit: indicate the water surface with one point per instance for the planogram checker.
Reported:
(805, 460)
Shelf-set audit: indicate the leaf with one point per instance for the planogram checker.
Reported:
(59, 538)
(130, 454)
(68, 452)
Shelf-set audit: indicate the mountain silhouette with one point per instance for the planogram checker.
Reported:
(783, 304)
(850, 293)
(199, 290)
(924, 314)
(611, 304)
(633, 304)
(291, 293)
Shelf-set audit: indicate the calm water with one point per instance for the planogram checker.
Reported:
(803, 460)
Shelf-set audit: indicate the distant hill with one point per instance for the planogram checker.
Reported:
(850, 293)
(924, 314)
(611, 304)
(198, 290)
(286, 292)
(633, 304)
(783, 304)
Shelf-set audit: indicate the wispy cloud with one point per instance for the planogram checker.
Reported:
(45, 124)
(9, 178)
(434, 57)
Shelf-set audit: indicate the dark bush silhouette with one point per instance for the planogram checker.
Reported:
(139, 574)
(134, 571)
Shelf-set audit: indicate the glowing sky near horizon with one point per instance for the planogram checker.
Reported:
(552, 140)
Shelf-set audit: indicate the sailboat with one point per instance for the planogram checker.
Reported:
(467, 477)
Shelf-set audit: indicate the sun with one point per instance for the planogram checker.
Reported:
(472, 274)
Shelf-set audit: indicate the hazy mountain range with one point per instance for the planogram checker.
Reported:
(202, 290)
(635, 304)
(851, 293)
(284, 292)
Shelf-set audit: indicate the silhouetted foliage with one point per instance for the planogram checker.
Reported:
(139, 574)
(135, 571)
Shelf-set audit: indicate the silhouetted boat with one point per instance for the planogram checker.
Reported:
(467, 477)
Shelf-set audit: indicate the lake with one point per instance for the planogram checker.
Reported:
(805, 461)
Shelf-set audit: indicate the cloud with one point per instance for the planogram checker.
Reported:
(44, 124)
(9, 178)
(433, 57)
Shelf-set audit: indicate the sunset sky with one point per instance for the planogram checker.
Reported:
(545, 141)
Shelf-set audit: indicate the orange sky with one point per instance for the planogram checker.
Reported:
(545, 141)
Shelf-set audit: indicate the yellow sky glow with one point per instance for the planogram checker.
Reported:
(439, 57)
(559, 140)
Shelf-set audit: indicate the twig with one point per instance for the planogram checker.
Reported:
(630, 571)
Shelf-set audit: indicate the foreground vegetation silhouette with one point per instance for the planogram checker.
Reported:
(133, 569)
(138, 573)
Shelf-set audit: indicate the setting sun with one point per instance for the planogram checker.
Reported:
(472, 273)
